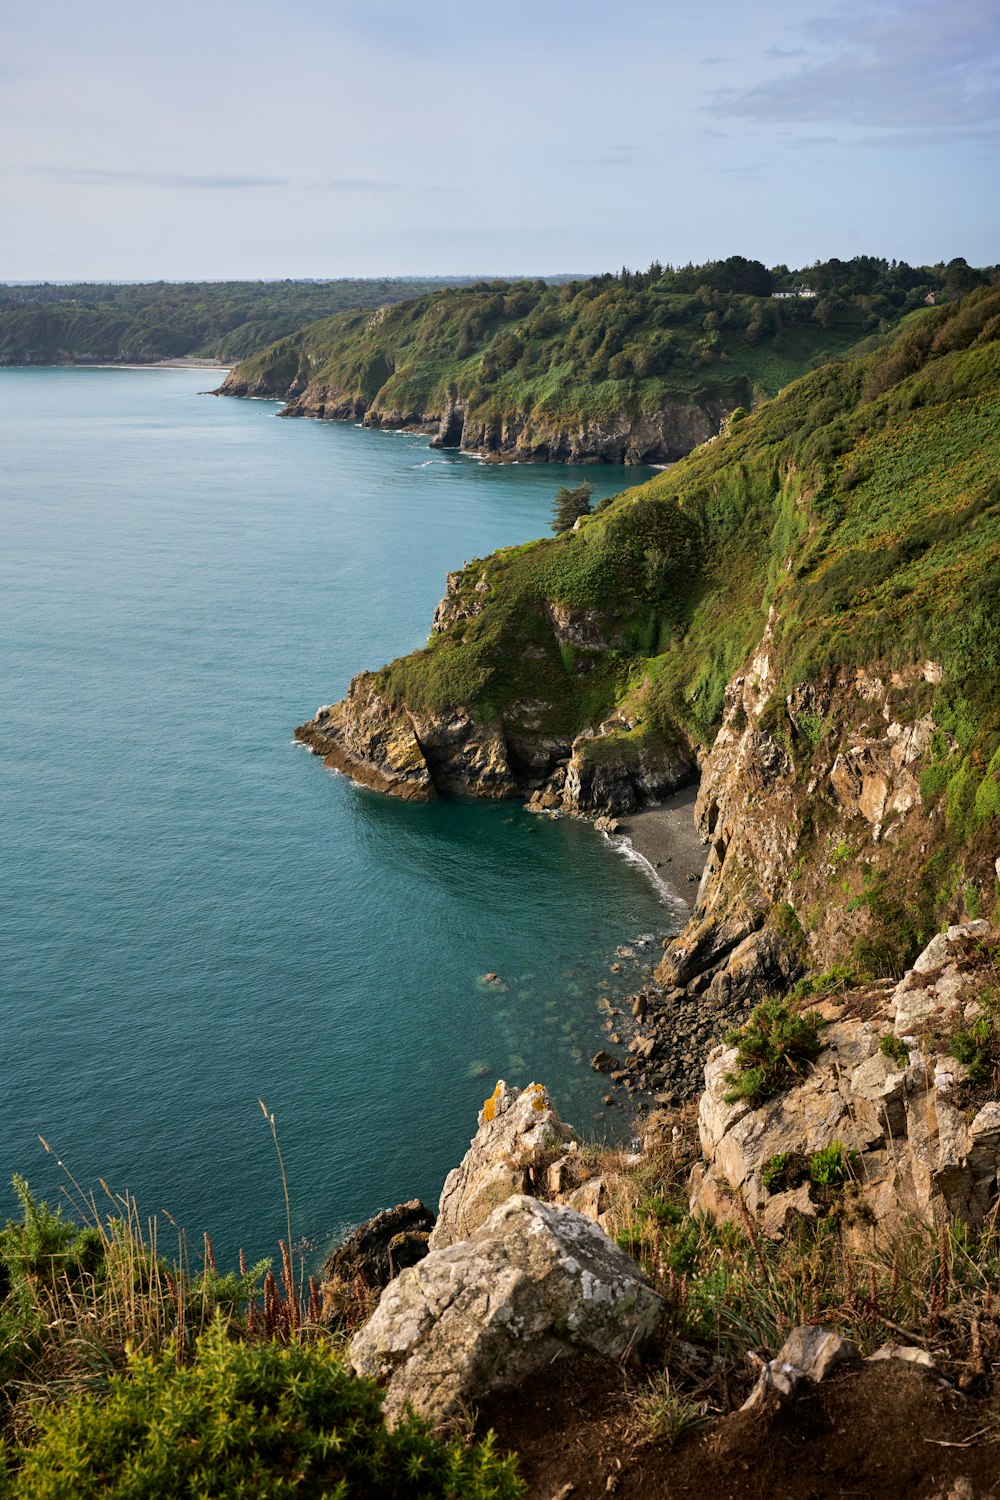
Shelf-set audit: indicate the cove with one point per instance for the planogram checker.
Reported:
(197, 915)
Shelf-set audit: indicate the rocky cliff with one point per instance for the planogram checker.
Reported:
(889, 1108)
(662, 435)
(801, 617)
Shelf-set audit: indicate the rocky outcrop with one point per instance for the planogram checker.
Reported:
(456, 606)
(917, 1139)
(417, 756)
(534, 1283)
(370, 741)
(372, 1255)
(519, 1136)
(648, 438)
(656, 437)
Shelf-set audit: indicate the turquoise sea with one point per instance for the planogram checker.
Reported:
(195, 914)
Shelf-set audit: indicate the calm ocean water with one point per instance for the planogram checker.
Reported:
(195, 913)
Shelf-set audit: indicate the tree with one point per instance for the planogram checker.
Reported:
(569, 505)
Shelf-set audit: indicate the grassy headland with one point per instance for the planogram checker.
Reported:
(858, 512)
(725, 334)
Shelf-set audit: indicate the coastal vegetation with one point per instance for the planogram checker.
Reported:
(730, 332)
(137, 322)
(126, 1371)
(855, 519)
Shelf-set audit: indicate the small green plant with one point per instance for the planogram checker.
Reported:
(662, 1415)
(837, 977)
(973, 1048)
(810, 727)
(774, 1048)
(784, 1171)
(831, 1166)
(263, 1419)
(894, 1047)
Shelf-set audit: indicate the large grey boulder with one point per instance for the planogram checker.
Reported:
(535, 1282)
(520, 1134)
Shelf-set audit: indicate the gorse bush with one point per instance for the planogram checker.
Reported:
(265, 1420)
(774, 1050)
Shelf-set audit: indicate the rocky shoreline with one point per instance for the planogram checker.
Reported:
(627, 438)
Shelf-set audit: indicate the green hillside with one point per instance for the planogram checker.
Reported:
(136, 322)
(731, 332)
(859, 510)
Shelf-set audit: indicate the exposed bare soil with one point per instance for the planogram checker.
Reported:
(883, 1431)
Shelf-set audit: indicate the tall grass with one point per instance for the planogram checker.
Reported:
(83, 1293)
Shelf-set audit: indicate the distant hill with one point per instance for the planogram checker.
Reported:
(134, 323)
(637, 367)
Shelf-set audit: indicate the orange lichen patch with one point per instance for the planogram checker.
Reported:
(490, 1104)
(540, 1100)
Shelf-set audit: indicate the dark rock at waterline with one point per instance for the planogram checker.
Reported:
(372, 1255)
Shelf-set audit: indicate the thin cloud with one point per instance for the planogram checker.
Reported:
(616, 156)
(106, 177)
(896, 68)
(355, 185)
(224, 181)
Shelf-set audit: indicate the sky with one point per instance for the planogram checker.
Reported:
(320, 138)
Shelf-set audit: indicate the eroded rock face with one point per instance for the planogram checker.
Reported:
(464, 756)
(919, 1151)
(386, 747)
(520, 1135)
(599, 780)
(654, 437)
(370, 741)
(373, 1254)
(535, 1282)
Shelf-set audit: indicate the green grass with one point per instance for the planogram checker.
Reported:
(862, 506)
(590, 350)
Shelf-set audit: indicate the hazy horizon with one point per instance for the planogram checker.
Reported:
(320, 141)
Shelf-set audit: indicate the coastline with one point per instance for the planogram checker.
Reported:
(180, 363)
(664, 837)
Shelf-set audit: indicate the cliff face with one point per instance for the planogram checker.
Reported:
(919, 1129)
(818, 828)
(419, 756)
(654, 437)
(660, 436)
(802, 615)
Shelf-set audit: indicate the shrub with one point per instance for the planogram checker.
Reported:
(774, 1049)
(264, 1420)
(832, 1165)
(972, 1048)
(894, 1047)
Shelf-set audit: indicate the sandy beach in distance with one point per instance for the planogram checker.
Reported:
(667, 839)
(180, 363)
